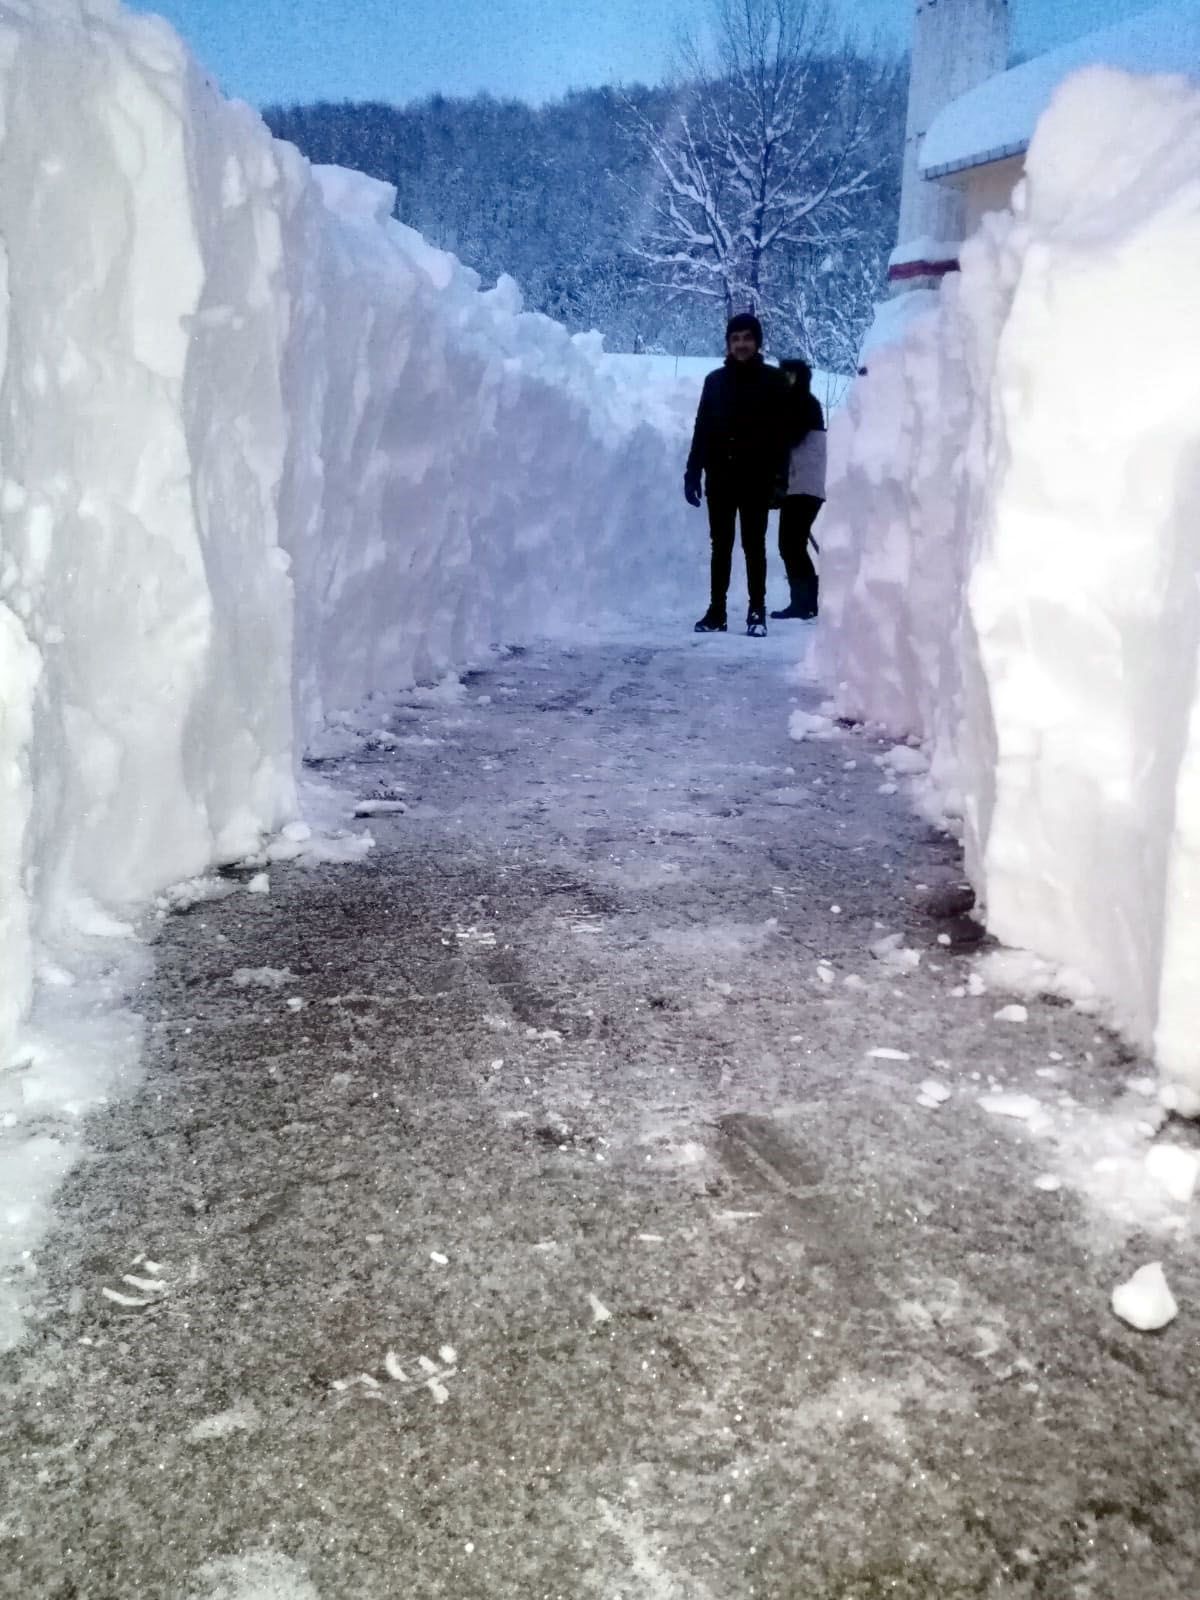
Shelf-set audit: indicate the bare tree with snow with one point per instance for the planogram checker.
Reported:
(771, 158)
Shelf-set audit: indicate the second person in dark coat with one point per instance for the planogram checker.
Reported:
(740, 444)
(805, 491)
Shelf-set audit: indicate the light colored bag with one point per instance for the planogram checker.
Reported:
(806, 469)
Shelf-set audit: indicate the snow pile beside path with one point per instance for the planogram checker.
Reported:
(263, 452)
(484, 474)
(1011, 550)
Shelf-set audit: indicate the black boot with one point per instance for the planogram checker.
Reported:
(756, 622)
(713, 621)
(802, 607)
(803, 604)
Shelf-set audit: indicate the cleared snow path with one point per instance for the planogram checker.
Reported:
(586, 1207)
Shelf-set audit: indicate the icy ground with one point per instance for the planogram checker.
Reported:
(564, 1201)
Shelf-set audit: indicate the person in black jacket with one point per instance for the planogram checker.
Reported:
(740, 444)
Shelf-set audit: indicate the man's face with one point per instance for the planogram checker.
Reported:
(742, 345)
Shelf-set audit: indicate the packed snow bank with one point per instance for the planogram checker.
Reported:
(263, 452)
(1012, 546)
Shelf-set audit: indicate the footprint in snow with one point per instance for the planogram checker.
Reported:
(147, 1283)
(432, 1375)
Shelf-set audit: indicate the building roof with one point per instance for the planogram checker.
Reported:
(997, 118)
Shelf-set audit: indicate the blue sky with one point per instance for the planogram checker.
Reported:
(399, 50)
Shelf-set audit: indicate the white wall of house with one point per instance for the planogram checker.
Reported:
(985, 188)
(990, 188)
(956, 45)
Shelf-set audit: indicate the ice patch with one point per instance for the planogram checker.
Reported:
(720, 940)
(259, 1575)
(238, 1419)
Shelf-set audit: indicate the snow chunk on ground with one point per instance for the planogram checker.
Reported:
(905, 761)
(1181, 1098)
(261, 977)
(1022, 972)
(811, 725)
(1145, 1301)
(380, 808)
(1021, 1106)
(1175, 1168)
(890, 951)
(195, 891)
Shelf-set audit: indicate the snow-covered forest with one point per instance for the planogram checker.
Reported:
(568, 198)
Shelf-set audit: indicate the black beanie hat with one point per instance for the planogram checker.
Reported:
(745, 322)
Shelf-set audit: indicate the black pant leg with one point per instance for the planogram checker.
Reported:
(796, 517)
(722, 513)
(753, 515)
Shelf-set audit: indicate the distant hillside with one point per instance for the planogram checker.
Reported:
(555, 196)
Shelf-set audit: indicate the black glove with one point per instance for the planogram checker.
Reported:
(691, 491)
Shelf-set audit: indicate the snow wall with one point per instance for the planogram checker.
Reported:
(1011, 554)
(263, 452)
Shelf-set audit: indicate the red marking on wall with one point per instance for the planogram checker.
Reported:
(920, 269)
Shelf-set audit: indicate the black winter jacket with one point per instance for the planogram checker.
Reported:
(743, 431)
(805, 417)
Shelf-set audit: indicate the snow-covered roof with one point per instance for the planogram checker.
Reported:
(997, 118)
